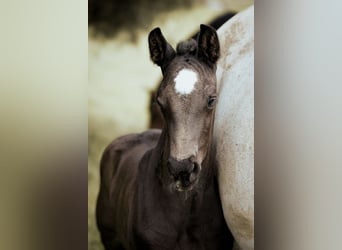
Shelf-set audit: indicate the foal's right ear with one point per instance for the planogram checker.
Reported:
(161, 51)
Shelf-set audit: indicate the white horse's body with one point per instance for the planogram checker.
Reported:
(234, 126)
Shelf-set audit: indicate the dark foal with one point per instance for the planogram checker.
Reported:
(158, 188)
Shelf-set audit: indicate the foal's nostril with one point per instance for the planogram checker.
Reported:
(195, 168)
(185, 178)
(194, 172)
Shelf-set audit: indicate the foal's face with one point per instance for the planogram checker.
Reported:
(186, 98)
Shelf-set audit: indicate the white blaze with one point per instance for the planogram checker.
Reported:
(185, 81)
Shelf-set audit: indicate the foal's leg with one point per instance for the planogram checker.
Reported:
(107, 232)
(104, 209)
(110, 242)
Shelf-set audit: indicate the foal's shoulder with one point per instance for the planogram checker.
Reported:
(128, 149)
(147, 138)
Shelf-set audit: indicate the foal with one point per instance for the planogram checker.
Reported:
(158, 189)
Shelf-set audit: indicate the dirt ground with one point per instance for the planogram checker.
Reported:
(120, 78)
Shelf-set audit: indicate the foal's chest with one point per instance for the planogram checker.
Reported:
(178, 232)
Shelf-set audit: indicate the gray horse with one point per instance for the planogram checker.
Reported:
(234, 126)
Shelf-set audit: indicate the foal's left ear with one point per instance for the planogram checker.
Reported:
(208, 45)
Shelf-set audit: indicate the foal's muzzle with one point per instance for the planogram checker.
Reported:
(184, 172)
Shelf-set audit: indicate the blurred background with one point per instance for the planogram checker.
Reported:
(120, 73)
(43, 110)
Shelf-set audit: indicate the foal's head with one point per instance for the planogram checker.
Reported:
(186, 98)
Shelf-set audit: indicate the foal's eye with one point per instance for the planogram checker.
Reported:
(211, 101)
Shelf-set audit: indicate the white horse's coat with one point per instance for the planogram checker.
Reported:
(185, 81)
(234, 125)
